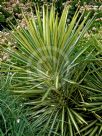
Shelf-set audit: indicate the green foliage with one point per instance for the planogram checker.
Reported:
(9, 10)
(13, 120)
(58, 73)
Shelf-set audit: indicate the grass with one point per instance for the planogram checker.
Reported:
(13, 121)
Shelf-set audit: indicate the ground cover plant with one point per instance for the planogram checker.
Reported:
(58, 73)
(13, 121)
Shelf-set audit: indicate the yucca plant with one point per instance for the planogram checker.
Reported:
(49, 69)
(94, 80)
